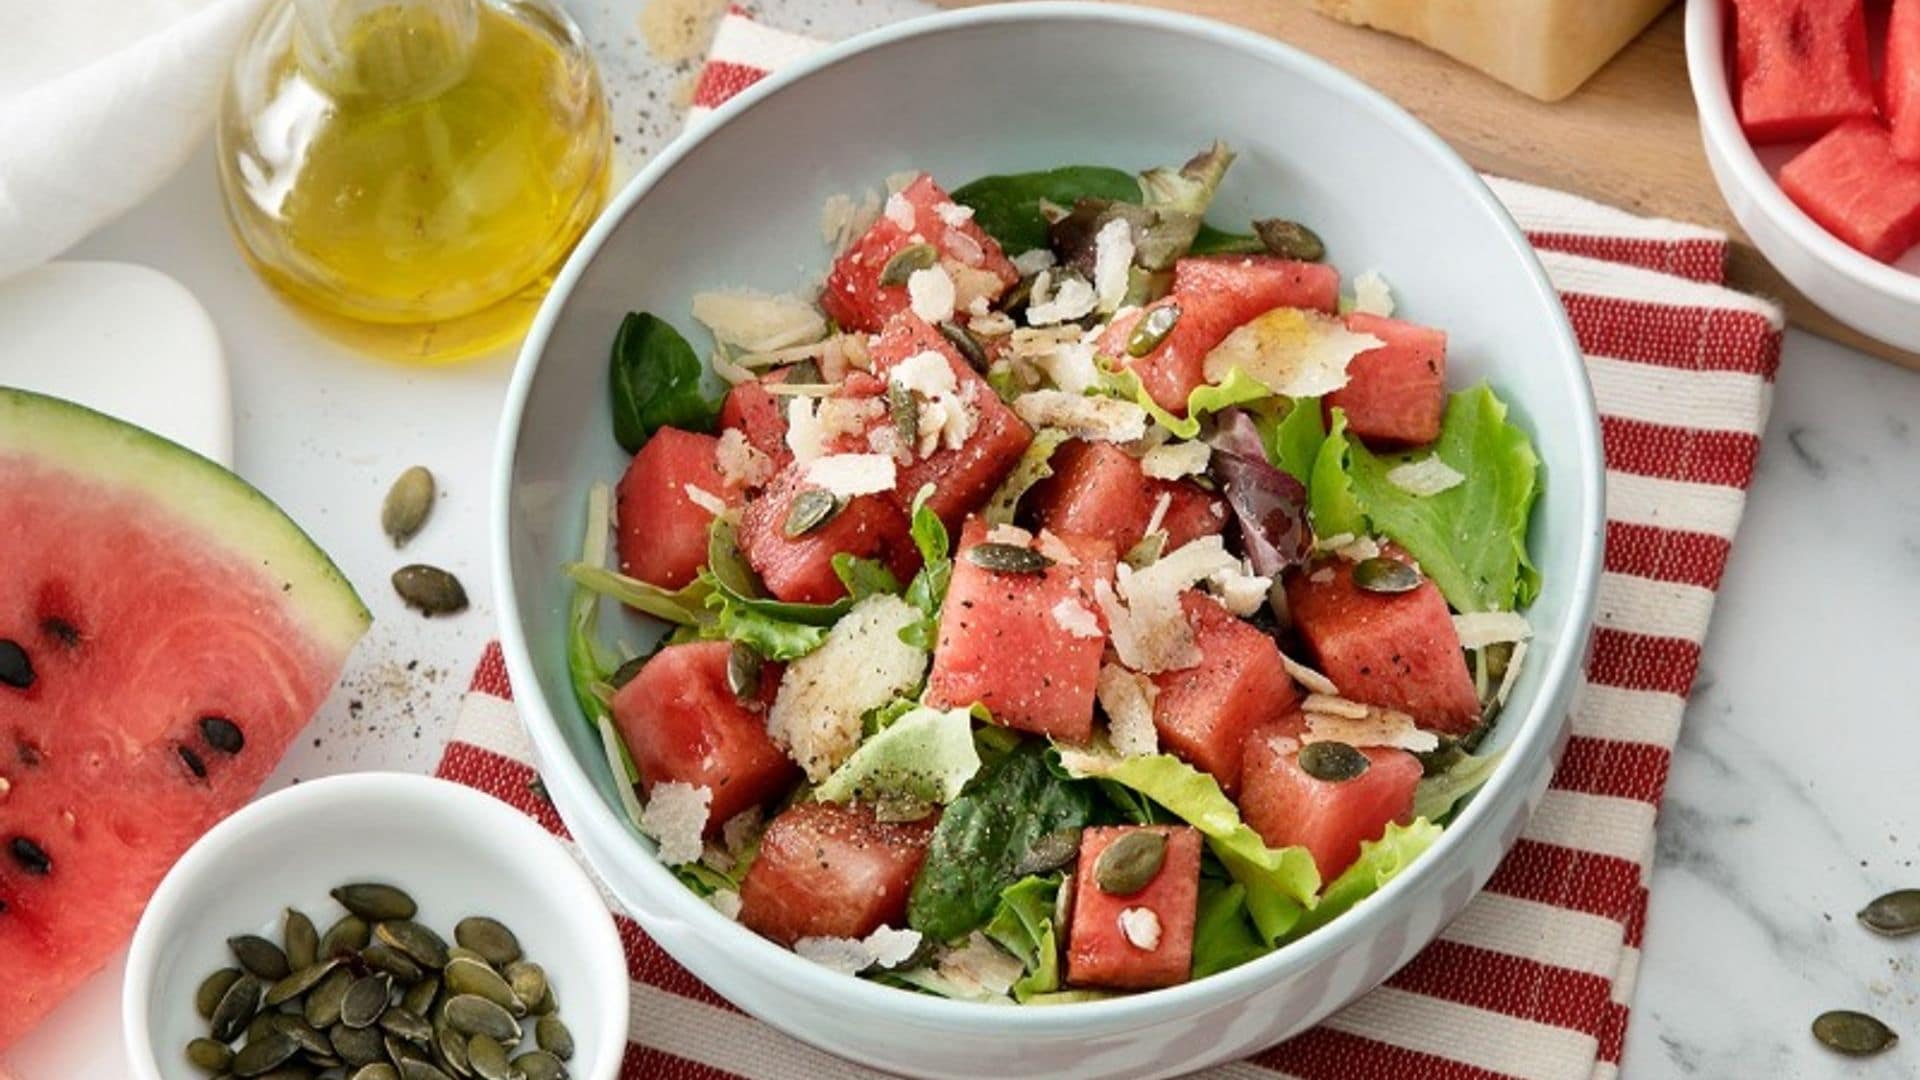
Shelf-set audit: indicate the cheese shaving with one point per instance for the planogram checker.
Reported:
(1029, 263)
(805, 437)
(1047, 305)
(1171, 461)
(852, 475)
(1073, 617)
(726, 902)
(1377, 727)
(1099, 419)
(1159, 515)
(981, 965)
(1308, 677)
(704, 499)
(1141, 927)
(899, 211)
(931, 294)
(1483, 628)
(862, 665)
(742, 465)
(1056, 549)
(1239, 589)
(954, 214)
(1144, 617)
(1128, 700)
(1330, 705)
(1512, 674)
(675, 816)
(1291, 351)
(1371, 295)
(1009, 534)
(1428, 476)
(759, 322)
(1112, 258)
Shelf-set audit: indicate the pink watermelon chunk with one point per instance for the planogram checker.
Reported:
(1395, 394)
(854, 297)
(662, 537)
(1099, 950)
(800, 569)
(758, 415)
(1098, 490)
(832, 870)
(1858, 189)
(1900, 83)
(1801, 67)
(1205, 712)
(1286, 806)
(165, 632)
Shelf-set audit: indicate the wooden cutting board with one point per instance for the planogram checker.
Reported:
(1628, 137)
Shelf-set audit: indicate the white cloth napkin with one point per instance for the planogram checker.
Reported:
(100, 102)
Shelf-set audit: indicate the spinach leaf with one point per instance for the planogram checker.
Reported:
(929, 587)
(654, 377)
(1023, 925)
(736, 610)
(983, 835)
(1008, 207)
(1212, 241)
(864, 577)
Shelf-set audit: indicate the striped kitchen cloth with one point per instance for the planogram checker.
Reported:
(1535, 978)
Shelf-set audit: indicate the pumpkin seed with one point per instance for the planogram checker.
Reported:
(300, 981)
(430, 591)
(805, 373)
(1290, 240)
(901, 264)
(540, 1065)
(488, 1058)
(211, 989)
(322, 1008)
(407, 1025)
(421, 1070)
(236, 1007)
(628, 668)
(385, 957)
(474, 977)
(1333, 762)
(1152, 329)
(375, 1070)
(1050, 852)
(810, 510)
(419, 997)
(456, 952)
(294, 1071)
(260, 1055)
(407, 505)
(1007, 558)
(302, 941)
(365, 1000)
(400, 1051)
(1130, 863)
(451, 1048)
(547, 1005)
(1384, 575)
(1895, 914)
(209, 1056)
(261, 957)
(962, 339)
(1853, 1033)
(528, 979)
(356, 1046)
(375, 902)
(552, 1036)
(311, 1040)
(743, 678)
(471, 1014)
(16, 668)
(260, 1026)
(420, 944)
(349, 935)
(906, 415)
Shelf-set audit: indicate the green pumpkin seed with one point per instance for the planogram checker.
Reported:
(209, 1056)
(966, 344)
(349, 935)
(375, 1070)
(212, 988)
(1152, 329)
(546, 1006)
(400, 1051)
(1130, 863)
(528, 979)
(1853, 1033)
(365, 1000)
(293, 1071)
(418, 998)
(407, 1025)
(421, 1070)
(1333, 762)
(384, 957)
(1007, 558)
(1896, 914)
(743, 678)
(261, 957)
(236, 1008)
(407, 505)
(430, 591)
(1290, 240)
(420, 944)
(450, 1047)
(552, 1036)
(901, 264)
(300, 982)
(1384, 575)
(628, 668)
(905, 414)
(471, 1014)
(465, 976)
(489, 938)
(356, 1046)
(540, 1065)
(301, 939)
(312, 1041)
(264, 1054)
(1050, 852)
(375, 902)
(805, 373)
(322, 1007)
(488, 1058)
(810, 510)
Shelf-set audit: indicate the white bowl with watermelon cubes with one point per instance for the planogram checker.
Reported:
(736, 203)
(1817, 148)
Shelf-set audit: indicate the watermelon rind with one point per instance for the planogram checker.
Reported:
(228, 513)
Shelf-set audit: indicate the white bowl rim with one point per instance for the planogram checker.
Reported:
(1534, 743)
(1706, 52)
(559, 874)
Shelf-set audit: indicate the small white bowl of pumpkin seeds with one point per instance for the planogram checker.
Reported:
(376, 926)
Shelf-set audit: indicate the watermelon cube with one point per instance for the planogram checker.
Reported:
(681, 722)
(963, 476)
(1397, 651)
(1013, 643)
(1801, 67)
(799, 569)
(759, 416)
(1203, 713)
(921, 213)
(1900, 84)
(1287, 806)
(1395, 394)
(1098, 490)
(832, 870)
(1144, 939)
(1857, 188)
(662, 534)
(1215, 295)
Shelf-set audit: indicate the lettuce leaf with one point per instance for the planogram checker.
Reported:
(1023, 925)
(929, 586)
(1331, 503)
(1294, 439)
(1034, 466)
(1238, 388)
(1380, 862)
(1434, 797)
(922, 757)
(1222, 935)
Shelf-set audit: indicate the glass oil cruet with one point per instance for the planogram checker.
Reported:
(411, 173)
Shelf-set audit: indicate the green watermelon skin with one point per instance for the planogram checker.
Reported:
(150, 590)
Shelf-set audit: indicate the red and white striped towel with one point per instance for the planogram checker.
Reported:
(1535, 978)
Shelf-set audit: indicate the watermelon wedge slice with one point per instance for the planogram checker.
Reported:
(165, 631)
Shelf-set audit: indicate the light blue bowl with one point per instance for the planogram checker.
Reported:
(1001, 89)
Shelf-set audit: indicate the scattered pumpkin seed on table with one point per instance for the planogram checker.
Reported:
(430, 591)
(407, 505)
(1853, 1033)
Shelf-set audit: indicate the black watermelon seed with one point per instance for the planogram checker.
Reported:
(3, 907)
(194, 765)
(31, 856)
(61, 631)
(28, 753)
(16, 670)
(222, 734)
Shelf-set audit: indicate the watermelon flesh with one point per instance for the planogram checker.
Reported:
(180, 632)
(758, 415)
(1900, 82)
(1395, 394)
(1287, 806)
(853, 295)
(1857, 188)
(799, 569)
(1099, 952)
(832, 870)
(662, 536)
(1801, 67)
(1203, 713)
(1098, 490)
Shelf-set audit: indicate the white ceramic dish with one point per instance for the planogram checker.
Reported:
(1002, 89)
(457, 851)
(1874, 298)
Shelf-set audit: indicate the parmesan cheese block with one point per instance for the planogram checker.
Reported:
(1545, 48)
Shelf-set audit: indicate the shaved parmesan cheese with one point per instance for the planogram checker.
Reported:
(930, 293)
(1069, 365)
(1127, 699)
(805, 437)
(848, 416)
(1097, 418)
(852, 475)
(1144, 617)
(1056, 549)
(1513, 673)
(1239, 589)
(726, 902)
(862, 665)
(1428, 476)
(1291, 351)
(1321, 576)
(1009, 534)
(1308, 677)
(1159, 515)
(704, 499)
(1141, 927)
(1073, 617)
(899, 210)
(1073, 299)
(973, 288)
(731, 373)
(759, 322)
(954, 214)
(741, 830)
(1371, 296)
(741, 464)
(800, 390)
(981, 965)
(1029, 263)
(891, 947)
(992, 323)
(1483, 628)
(842, 220)
(675, 816)
(1171, 461)
(1112, 258)
(1355, 549)
(844, 955)
(1333, 706)
(1377, 727)
(925, 373)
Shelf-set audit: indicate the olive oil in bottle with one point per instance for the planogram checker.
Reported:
(411, 173)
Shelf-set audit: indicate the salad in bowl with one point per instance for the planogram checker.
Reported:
(1066, 598)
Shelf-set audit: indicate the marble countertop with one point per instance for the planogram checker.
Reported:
(1793, 798)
